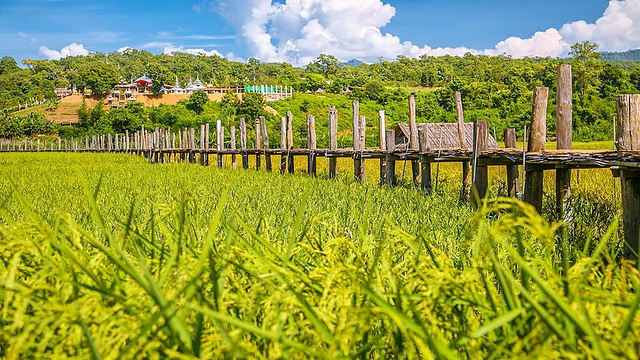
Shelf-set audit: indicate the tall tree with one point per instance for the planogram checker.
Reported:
(196, 101)
(584, 55)
(99, 77)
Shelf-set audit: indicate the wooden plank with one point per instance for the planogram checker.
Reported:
(311, 145)
(333, 140)
(513, 176)
(425, 164)
(537, 141)
(413, 138)
(290, 160)
(460, 118)
(243, 143)
(265, 142)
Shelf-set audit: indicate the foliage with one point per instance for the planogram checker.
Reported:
(197, 101)
(100, 78)
(494, 88)
(131, 260)
(129, 118)
(12, 126)
(251, 107)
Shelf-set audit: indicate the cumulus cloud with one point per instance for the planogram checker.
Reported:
(72, 49)
(298, 31)
(169, 49)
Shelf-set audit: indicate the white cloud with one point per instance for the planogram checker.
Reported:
(618, 29)
(170, 49)
(123, 49)
(547, 43)
(32, 39)
(72, 49)
(297, 31)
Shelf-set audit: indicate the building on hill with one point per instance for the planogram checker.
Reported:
(143, 84)
(441, 136)
(271, 92)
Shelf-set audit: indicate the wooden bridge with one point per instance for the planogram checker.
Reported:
(164, 146)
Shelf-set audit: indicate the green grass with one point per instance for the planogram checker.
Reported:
(106, 256)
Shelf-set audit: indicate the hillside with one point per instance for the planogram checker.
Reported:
(67, 110)
(629, 55)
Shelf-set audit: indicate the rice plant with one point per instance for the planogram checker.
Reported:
(106, 256)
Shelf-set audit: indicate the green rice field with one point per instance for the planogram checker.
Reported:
(105, 256)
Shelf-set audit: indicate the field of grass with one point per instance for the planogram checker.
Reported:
(107, 256)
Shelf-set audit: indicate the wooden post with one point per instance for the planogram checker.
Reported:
(201, 145)
(382, 129)
(192, 145)
(243, 143)
(359, 146)
(357, 159)
(258, 140)
(311, 145)
(425, 164)
(233, 147)
(206, 143)
(513, 181)
(283, 144)
(564, 94)
(333, 140)
(265, 143)
(390, 177)
(291, 161)
(219, 142)
(628, 139)
(413, 138)
(537, 141)
(481, 179)
(466, 180)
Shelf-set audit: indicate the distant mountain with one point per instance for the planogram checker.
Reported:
(629, 55)
(353, 62)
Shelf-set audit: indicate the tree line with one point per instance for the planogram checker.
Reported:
(494, 88)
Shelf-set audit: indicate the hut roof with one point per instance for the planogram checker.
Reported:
(443, 135)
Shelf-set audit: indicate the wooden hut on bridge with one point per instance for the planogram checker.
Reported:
(441, 136)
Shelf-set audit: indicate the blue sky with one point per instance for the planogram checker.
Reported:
(298, 30)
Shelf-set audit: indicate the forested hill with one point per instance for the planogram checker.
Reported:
(629, 55)
(494, 88)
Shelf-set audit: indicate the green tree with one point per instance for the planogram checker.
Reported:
(313, 82)
(252, 106)
(584, 55)
(197, 101)
(98, 77)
